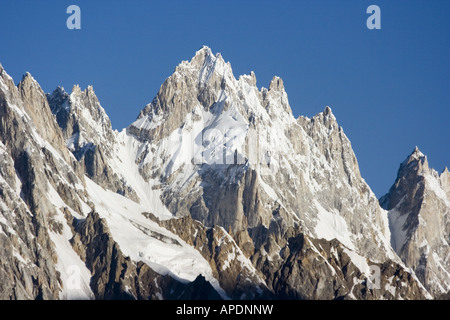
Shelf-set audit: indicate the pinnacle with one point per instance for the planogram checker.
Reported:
(204, 50)
(26, 76)
(89, 90)
(249, 78)
(76, 88)
(415, 156)
(201, 56)
(1, 70)
(416, 153)
(27, 79)
(328, 113)
(276, 84)
(59, 89)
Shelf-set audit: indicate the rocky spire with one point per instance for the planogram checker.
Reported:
(36, 106)
(276, 84)
(416, 163)
(198, 82)
(445, 181)
(419, 211)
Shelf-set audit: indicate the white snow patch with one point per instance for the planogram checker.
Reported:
(144, 240)
(359, 261)
(332, 226)
(398, 232)
(126, 152)
(434, 184)
(75, 275)
(389, 287)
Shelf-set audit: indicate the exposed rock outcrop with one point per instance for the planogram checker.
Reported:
(88, 134)
(115, 276)
(419, 216)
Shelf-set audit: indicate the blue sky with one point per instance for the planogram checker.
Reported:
(388, 88)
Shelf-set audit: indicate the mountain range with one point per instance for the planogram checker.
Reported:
(215, 191)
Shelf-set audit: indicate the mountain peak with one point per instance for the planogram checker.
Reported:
(327, 111)
(204, 55)
(6, 78)
(416, 160)
(26, 75)
(417, 153)
(204, 50)
(27, 78)
(58, 92)
(59, 89)
(276, 84)
(57, 99)
(206, 63)
(89, 91)
(76, 89)
(249, 78)
(418, 208)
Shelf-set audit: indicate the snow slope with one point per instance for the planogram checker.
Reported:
(143, 240)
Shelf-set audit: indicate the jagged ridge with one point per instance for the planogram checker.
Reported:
(249, 201)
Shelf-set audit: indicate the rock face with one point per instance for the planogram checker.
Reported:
(223, 120)
(419, 215)
(240, 160)
(88, 134)
(230, 264)
(52, 247)
(29, 169)
(216, 191)
(115, 276)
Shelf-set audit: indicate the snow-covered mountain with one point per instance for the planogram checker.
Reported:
(419, 217)
(215, 191)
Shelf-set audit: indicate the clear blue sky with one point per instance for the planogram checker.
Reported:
(389, 88)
